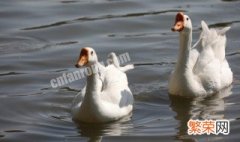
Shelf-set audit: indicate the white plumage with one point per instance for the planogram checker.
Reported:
(203, 68)
(106, 96)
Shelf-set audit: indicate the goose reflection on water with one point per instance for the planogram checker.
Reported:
(202, 108)
(211, 107)
(95, 131)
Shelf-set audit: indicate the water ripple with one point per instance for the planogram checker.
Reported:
(85, 19)
(233, 53)
(10, 73)
(157, 63)
(223, 24)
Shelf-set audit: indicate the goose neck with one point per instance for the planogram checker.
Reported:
(185, 39)
(94, 83)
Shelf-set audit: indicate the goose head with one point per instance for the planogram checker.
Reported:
(182, 23)
(87, 57)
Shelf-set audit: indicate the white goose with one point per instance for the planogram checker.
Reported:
(203, 68)
(106, 96)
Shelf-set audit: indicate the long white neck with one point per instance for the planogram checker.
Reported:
(94, 83)
(185, 39)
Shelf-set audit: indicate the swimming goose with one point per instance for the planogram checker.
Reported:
(106, 96)
(203, 68)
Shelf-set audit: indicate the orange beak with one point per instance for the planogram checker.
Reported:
(179, 22)
(83, 59)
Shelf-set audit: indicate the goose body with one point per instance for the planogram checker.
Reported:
(106, 96)
(201, 69)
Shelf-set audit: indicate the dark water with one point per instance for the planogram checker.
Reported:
(40, 40)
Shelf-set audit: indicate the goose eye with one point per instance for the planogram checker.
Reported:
(187, 18)
(91, 52)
